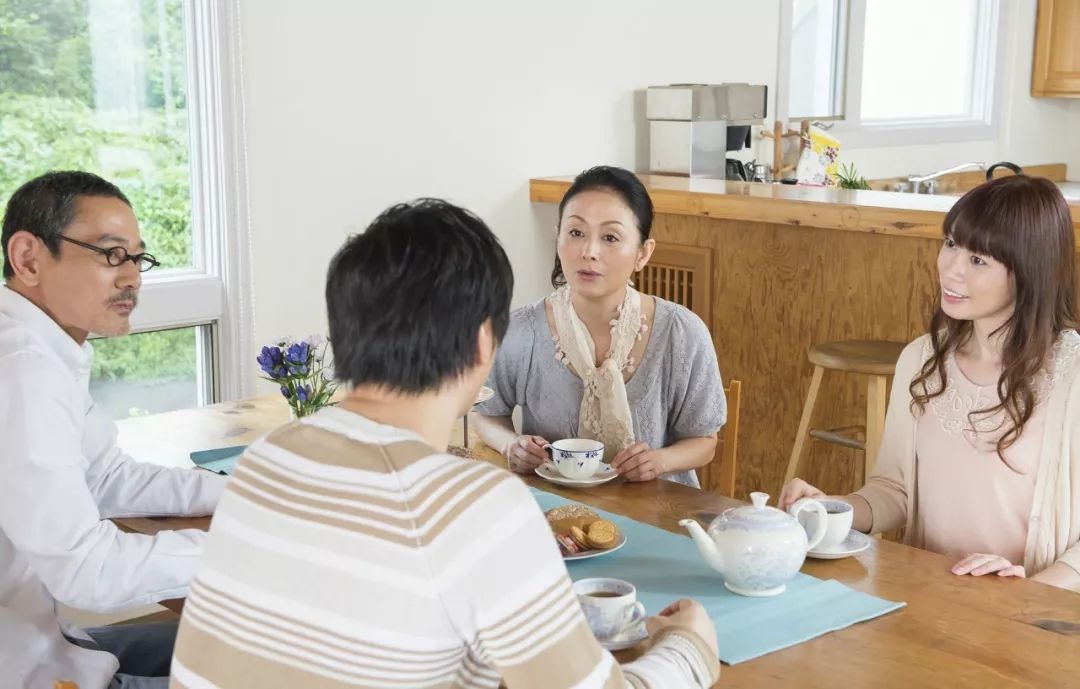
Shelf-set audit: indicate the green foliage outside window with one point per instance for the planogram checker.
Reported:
(50, 120)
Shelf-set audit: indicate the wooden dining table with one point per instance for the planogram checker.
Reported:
(955, 632)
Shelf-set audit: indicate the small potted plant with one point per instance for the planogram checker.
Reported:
(849, 178)
(299, 368)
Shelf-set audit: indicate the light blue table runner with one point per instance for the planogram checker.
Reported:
(665, 566)
(221, 460)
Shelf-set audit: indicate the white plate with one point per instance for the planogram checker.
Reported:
(596, 552)
(604, 474)
(484, 395)
(856, 542)
(622, 642)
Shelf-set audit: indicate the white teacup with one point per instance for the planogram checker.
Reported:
(576, 458)
(838, 518)
(611, 606)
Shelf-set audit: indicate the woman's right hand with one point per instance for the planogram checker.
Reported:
(526, 452)
(797, 489)
(686, 612)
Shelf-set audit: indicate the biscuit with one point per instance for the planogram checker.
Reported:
(601, 539)
(567, 545)
(569, 511)
(603, 525)
(579, 537)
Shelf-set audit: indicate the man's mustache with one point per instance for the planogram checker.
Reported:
(128, 296)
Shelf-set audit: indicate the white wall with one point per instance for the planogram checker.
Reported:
(352, 106)
(1073, 148)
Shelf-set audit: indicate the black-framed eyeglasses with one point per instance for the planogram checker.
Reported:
(117, 255)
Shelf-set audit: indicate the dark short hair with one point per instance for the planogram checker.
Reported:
(46, 205)
(406, 298)
(621, 182)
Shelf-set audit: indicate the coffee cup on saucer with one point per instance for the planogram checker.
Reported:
(576, 458)
(611, 606)
(838, 520)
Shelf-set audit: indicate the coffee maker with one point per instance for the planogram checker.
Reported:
(692, 127)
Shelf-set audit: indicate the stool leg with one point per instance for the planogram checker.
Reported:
(799, 450)
(876, 403)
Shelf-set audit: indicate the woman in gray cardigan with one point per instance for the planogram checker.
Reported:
(598, 359)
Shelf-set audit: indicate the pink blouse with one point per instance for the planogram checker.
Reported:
(969, 500)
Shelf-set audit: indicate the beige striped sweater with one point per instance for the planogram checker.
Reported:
(347, 553)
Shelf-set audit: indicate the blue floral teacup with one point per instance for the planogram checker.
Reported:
(576, 458)
(611, 606)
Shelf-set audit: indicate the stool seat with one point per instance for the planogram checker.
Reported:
(873, 357)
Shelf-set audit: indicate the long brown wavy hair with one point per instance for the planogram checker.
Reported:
(1024, 223)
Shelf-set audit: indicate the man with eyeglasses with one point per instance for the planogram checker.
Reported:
(73, 259)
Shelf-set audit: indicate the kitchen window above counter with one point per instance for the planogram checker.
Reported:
(855, 62)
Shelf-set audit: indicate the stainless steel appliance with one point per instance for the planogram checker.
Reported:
(693, 126)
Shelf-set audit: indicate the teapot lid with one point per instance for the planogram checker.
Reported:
(756, 517)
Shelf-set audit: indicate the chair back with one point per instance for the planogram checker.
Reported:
(719, 474)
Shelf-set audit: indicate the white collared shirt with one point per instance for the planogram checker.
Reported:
(62, 478)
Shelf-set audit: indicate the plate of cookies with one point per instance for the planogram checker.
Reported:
(581, 533)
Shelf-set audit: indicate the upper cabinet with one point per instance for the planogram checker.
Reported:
(1056, 69)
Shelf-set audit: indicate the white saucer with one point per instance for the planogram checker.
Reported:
(631, 638)
(597, 552)
(856, 542)
(604, 474)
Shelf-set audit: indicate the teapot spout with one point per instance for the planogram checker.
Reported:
(705, 544)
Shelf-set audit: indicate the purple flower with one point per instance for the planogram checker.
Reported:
(270, 361)
(296, 359)
(303, 393)
(285, 392)
(298, 353)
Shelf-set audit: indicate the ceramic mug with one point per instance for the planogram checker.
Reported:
(838, 519)
(576, 458)
(611, 606)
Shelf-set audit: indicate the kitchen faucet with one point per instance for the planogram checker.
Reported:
(925, 184)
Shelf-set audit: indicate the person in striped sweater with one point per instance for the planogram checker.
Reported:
(350, 550)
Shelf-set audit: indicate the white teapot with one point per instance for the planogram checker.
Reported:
(757, 548)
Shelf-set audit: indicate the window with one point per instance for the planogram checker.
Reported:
(912, 72)
(152, 372)
(135, 90)
(812, 59)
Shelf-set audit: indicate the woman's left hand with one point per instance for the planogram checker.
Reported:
(639, 462)
(978, 564)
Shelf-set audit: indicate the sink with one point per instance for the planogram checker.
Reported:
(1070, 190)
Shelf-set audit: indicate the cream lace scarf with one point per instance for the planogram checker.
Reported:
(605, 410)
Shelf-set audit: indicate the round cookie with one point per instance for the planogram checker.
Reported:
(601, 539)
(579, 537)
(603, 525)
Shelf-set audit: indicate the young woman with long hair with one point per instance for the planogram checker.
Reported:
(980, 459)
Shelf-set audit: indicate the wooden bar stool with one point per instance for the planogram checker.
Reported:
(874, 358)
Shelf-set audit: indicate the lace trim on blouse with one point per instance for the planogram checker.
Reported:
(961, 414)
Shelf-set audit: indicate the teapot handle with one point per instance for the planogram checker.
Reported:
(822, 523)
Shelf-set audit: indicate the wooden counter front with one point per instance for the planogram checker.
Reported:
(793, 267)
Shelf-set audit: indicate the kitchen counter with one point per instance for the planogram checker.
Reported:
(882, 212)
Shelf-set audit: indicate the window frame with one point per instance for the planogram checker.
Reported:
(216, 290)
(981, 124)
(787, 12)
